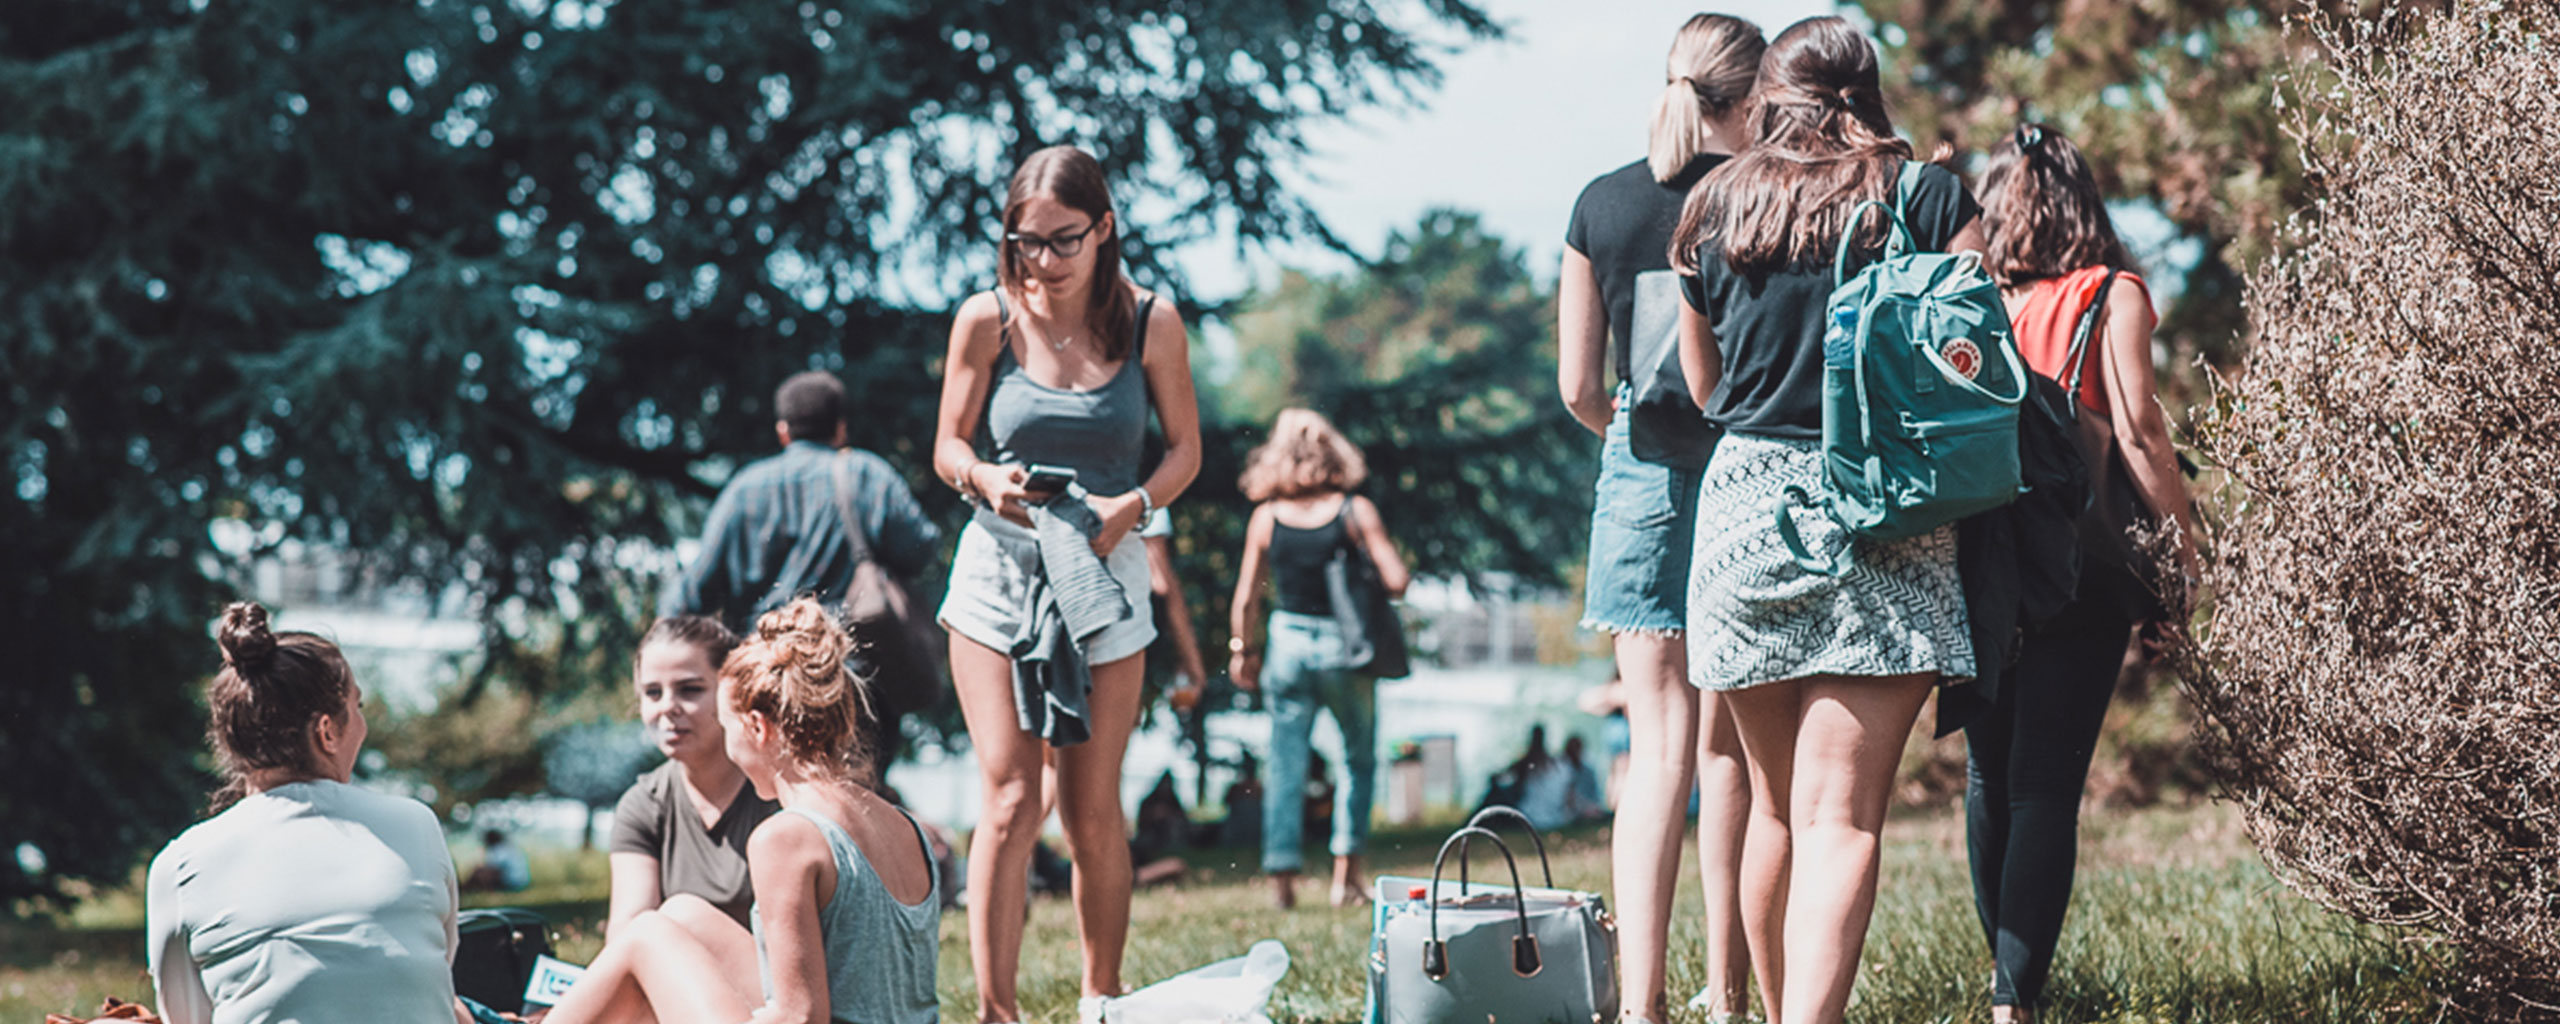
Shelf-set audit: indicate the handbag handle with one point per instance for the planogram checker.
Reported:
(1524, 947)
(1501, 811)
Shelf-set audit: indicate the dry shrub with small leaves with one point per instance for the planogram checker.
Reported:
(2380, 675)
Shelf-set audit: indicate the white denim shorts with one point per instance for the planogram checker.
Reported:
(991, 570)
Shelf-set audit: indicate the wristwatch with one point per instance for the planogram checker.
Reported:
(1236, 645)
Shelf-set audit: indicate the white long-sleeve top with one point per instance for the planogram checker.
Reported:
(312, 901)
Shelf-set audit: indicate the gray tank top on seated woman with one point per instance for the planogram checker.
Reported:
(880, 952)
(1101, 433)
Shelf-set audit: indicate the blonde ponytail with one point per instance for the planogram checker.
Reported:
(1715, 59)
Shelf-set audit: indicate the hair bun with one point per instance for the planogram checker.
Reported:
(246, 641)
(810, 648)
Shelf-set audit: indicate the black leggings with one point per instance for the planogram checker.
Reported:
(2026, 761)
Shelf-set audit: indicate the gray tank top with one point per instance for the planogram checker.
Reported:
(880, 952)
(1101, 434)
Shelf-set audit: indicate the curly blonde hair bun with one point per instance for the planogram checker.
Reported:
(793, 672)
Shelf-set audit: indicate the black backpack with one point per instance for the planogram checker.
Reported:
(493, 958)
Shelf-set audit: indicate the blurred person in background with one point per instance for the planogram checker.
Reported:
(1301, 482)
(792, 524)
(503, 866)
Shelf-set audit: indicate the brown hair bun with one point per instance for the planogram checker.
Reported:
(260, 707)
(245, 640)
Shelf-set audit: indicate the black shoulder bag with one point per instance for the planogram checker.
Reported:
(2115, 568)
(1372, 633)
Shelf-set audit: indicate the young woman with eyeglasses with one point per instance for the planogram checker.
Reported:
(1056, 370)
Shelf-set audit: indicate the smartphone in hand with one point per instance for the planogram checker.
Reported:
(1047, 480)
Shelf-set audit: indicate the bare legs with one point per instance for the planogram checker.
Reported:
(684, 961)
(1088, 779)
(1644, 842)
(1823, 752)
(1097, 830)
(1724, 815)
(1668, 752)
(1347, 885)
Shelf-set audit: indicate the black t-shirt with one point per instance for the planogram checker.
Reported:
(1623, 225)
(1769, 329)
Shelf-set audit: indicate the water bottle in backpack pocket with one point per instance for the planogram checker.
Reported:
(1921, 386)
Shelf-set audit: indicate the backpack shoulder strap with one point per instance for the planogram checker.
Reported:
(2085, 331)
(1898, 238)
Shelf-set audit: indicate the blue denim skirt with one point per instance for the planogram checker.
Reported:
(1642, 517)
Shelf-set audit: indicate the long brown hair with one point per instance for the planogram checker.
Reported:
(2042, 212)
(1821, 142)
(271, 688)
(1073, 178)
(1714, 60)
(792, 671)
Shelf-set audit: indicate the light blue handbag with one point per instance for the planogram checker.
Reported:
(1464, 953)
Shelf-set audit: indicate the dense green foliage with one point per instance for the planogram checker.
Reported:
(2179, 104)
(494, 293)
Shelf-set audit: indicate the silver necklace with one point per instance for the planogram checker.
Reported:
(1058, 344)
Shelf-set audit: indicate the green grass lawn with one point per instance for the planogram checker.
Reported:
(2175, 920)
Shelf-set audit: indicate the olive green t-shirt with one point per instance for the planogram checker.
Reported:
(656, 818)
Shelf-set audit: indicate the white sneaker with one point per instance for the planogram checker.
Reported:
(1093, 1010)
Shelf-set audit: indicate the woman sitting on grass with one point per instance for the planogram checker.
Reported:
(683, 827)
(837, 870)
(305, 898)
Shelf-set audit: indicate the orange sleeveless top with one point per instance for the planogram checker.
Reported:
(2045, 319)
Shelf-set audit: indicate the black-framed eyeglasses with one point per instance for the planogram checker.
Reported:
(1064, 246)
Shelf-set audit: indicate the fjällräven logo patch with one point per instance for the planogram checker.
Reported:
(1964, 355)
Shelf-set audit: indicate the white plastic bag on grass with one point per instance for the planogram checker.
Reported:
(1227, 992)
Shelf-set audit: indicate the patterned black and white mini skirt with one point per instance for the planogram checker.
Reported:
(1757, 617)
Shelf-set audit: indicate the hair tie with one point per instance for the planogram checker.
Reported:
(2030, 136)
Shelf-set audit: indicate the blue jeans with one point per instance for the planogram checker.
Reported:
(1302, 674)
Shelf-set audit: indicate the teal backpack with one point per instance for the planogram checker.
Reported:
(1920, 390)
